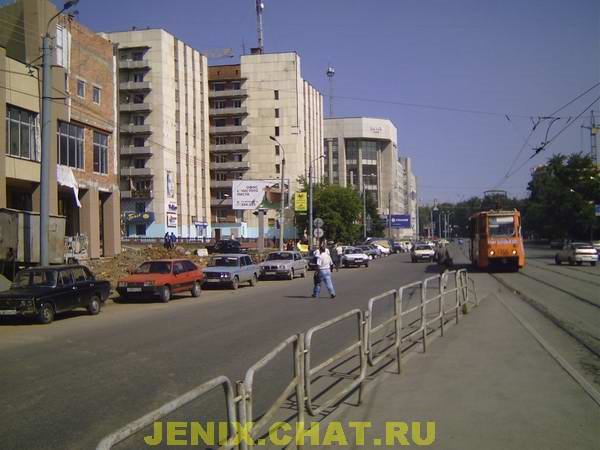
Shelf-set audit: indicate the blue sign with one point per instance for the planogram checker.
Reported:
(400, 221)
(598, 209)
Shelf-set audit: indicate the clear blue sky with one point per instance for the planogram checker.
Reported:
(516, 57)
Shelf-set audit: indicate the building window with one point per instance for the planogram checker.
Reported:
(81, 88)
(220, 104)
(277, 113)
(220, 123)
(220, 140)
(100, 152)
(276, 131)
(139, 142)
(70, 145)
(276, 93)
(220, 176)
(219, 87)
(138, 77)
(137, 56)
(236, 139)
(277, 150)
(138, 98)
(96, 94)
(138, 120)
(139, 163)
(236, 85)
(20, 133)
(277, 168)
(236, 103)
(237, 121)
(222, 195)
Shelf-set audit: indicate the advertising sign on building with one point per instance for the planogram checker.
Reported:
(400, 221)
(300, 202)
(170, 184)
(171, 220)
(254, 194)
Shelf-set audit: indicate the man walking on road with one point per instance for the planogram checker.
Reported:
(324, 269)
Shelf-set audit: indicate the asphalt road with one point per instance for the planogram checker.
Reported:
(67, 385)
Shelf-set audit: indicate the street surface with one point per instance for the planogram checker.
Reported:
(69, 384)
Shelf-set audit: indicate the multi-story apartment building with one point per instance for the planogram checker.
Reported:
(262, 96)
(83, 180)
(363, 152)
(163, 106)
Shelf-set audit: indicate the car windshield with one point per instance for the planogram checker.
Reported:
(351, 251)
(583, 245)
(30, 278)
(154, 267)
(422, 247)
(501, 225)
(279, 256)
(221, 261)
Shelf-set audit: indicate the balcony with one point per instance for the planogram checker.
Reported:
(142, 194)
(136, 129)
(239, 111)
(231, 93)
(134, 151)
(220, 202)
(134, 107)
(229, 148)
(135, 86)
(231, 129)
(221, 183)
(137, 172)
(230, 165)
(131, 64)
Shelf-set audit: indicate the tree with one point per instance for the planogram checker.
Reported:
(562, 197)
(377, 228)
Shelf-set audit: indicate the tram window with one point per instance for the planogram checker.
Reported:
(501, 225)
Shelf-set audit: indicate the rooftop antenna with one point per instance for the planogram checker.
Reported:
(330, 73)
(260, 6)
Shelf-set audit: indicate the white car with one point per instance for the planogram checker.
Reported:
(354, 257)
(385, 251)
(577, 253)
(422, 252)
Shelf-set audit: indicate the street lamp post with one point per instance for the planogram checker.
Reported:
(46, 137)
(282, 206)
(310, 201)
(432, 224)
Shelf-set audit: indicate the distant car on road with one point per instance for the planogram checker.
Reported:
(227, 246)
(288, 264)
(43, 292)
(558, 243)
(353, 256)
(161, 278)
(577, 253)
(370, 250)
(422, 252)
(231, 270)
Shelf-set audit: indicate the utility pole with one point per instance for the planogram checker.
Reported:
(389, 221)
(364, 195)
(47, 136)
(282, 206)
(330, 73)
(310, 208)
(593, 142)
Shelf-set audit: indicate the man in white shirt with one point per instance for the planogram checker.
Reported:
(324, 263)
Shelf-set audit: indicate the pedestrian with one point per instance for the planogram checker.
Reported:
(338, 252)
(323, 274)
(173, 240)
(167, 241)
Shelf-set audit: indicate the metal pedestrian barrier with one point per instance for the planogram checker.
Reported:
(414, 309)
(309, 371)
(134, 427)
(296, 386)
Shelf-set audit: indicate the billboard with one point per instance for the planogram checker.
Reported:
(400, 221)
(255, 194)
(300, 202)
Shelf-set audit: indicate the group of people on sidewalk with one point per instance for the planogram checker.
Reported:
(170, 240)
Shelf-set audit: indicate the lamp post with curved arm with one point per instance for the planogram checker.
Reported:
(282, 206)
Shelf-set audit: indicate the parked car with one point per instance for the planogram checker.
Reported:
(162, 278)
(577, 253)
(370, 250)
(43, 292)
(422, 252)
(287, 264)
(354, 256)
(227, 246)
(596, 245)
(231, 270)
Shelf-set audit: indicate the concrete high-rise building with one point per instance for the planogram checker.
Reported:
(363, 152)
(84, 183)
(265, 95)
(164, 152)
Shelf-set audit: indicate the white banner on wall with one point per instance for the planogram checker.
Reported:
(255, 194)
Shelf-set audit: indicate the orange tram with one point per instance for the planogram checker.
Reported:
(496, 240)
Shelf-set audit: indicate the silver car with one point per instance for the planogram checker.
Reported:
(288, 264)
(231, 270)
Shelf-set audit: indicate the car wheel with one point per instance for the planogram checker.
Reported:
(94, 305)
(303, 273)
(253, 280)
(557, 260)
(291, 274)
(46, 314)
(235, 283)
(571, 262)
(165, 294)
(196, 289)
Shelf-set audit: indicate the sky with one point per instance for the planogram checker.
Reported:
(463, 81)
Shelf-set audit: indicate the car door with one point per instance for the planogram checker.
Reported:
(245, 268)
(84, 289)
(190, 273)
(67, 296)
(179, 275)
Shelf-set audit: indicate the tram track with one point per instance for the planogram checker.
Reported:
(549, 269)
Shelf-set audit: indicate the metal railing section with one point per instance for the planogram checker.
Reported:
(395, 319)
(420, 308)
(137, 425)
(246, 391)
(310, 371)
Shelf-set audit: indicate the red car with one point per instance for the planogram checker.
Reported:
(162, 278)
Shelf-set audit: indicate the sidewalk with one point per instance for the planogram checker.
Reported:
(487, 384)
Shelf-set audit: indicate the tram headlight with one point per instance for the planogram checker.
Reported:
(514, 252)
(492, 252)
